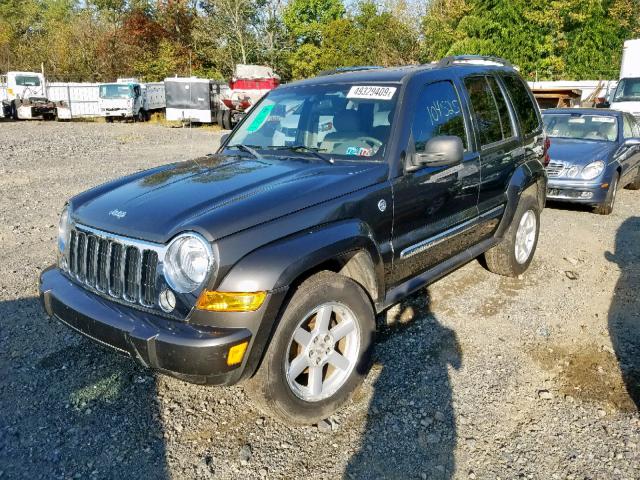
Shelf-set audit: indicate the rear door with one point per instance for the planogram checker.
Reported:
(433, 205)
(498, 141)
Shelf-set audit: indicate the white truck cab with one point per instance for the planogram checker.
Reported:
(127, 98)
(23, 95)
(626, 97)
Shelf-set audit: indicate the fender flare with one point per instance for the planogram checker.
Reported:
(278, 264)
(528, 178)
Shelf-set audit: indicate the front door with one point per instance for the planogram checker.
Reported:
(434, 205)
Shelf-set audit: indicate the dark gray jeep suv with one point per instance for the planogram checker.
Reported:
(333, 199)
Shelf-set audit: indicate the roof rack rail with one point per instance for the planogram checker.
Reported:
(357, 68)
(479, 59)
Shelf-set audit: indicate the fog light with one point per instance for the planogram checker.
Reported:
(167, 300)
(236, 353)
(213, 301)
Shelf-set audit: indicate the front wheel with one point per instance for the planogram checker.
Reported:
(320, 352)
(606, 207)
(513, 255)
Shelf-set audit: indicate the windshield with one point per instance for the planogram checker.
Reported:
(30, 81)
(115, 91)
(348, 121)
(628, 90)
(578, 126)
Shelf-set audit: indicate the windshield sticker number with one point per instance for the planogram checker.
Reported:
(577, 120)
(371, 92)
(261, 117)
(359, 151)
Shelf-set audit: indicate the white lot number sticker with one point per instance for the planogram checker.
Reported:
(372, 91)
(603, 119)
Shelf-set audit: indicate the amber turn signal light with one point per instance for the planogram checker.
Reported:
(236, 353)
(213, 301)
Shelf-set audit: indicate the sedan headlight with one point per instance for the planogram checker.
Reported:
(63, 230)
(187, 262)
(592, 170)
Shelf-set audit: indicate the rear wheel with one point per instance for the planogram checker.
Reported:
(513, 255)
(320, 352)
(108, 119)
(226, 119)
(606, 207)
(219, 115)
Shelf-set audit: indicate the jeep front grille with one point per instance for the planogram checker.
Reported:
(115, 266)
(554, 169)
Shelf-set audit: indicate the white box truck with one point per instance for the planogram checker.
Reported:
(129, 99)
(198, 100)
(627, 94)
(23, 96)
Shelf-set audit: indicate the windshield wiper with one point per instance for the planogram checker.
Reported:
(246, 148)
(303, 148)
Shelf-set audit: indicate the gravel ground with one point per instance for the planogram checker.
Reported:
(477, 376)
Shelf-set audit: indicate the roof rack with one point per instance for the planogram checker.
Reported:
(474, 59)
(358, 68)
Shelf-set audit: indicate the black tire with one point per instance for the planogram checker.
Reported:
(269, 387)
(218, 119)
(141, 117)
(14, 111)
(501, 259)
(606, 207)
(226, 119)
(108, 119)
(635, 185)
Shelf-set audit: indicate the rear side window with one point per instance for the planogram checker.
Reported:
(522, 103)
(505, 117)
(627, 127)
(484, 109)
(438, 113)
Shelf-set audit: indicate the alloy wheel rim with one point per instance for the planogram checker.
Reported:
(322, 352)
(525, 237)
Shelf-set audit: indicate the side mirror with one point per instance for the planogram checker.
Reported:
(438, 152)
(631, 142)
(604, 104)
(223, 138)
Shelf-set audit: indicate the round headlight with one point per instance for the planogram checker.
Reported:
(187, 262)
(63, 230)
(592, 170)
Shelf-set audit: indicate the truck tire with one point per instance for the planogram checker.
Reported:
(606, 207)
(108, 119)
(14, 111)
(513, 255)
(218, 119)
(226, 119)
(320, 352)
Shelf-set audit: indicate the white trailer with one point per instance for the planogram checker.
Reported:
(127, 98)
(627, 95)
(198, 100)
(23, 96)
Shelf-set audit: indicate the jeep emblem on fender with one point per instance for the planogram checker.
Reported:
(117, 213)
(382, 205)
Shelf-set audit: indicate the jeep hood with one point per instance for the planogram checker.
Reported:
(580, 152)
(231, 193)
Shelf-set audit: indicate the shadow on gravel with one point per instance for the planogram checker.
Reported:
(624, 312)
(410, 430)
(79, 412)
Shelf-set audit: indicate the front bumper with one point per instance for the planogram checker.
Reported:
(588, 193)
(194, 353)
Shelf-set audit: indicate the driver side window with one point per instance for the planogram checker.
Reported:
(438, 113)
